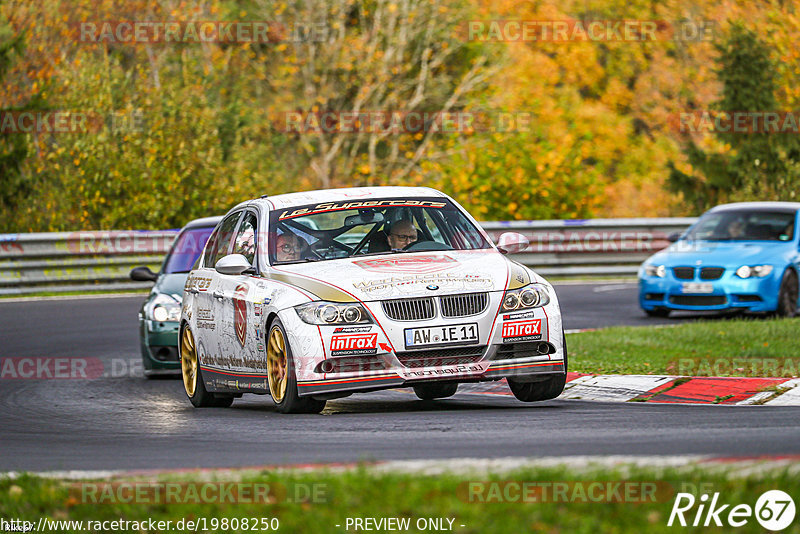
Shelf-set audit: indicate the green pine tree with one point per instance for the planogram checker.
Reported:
(760, 166)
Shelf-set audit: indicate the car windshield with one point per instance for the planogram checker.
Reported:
(334, 230)
(744, 225)
(187, 249)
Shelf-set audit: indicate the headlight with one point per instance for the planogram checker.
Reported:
(531, 296)
(322, 312)
(166, 308)
(655, 270)
(754, 271)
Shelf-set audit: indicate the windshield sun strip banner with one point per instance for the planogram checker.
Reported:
(339, 206)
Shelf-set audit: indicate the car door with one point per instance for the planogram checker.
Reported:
(240, 344)
(209, 310)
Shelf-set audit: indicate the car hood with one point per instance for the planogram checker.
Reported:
(171, 284)
(403, 275)
(718, 253)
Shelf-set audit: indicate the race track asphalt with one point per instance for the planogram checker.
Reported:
(123, 421)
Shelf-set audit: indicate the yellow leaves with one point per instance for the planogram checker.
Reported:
(364, 169)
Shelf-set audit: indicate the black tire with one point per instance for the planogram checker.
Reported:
(787, 296)
(658, 312)
(292, 402)
(547, 389)
(437, 390)
(203, 399)
(200, 397)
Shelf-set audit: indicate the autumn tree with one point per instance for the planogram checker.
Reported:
(374, 56)
(13, 148)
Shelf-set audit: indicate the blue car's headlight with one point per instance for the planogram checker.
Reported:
(753, 271)
(322, 312)
(655, 270)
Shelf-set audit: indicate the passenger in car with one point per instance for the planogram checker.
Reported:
(290, 247)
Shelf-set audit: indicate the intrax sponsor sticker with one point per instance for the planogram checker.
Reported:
(354, 344)
(522, 330)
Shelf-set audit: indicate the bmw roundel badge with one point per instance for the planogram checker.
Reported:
(432, 287)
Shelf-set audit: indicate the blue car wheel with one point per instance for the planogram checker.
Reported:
(787, 296)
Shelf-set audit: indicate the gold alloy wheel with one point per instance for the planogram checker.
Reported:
(276, 364)
(188, 362)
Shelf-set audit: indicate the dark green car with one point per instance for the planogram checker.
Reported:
(159, 316)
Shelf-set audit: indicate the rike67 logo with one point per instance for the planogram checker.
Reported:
(354, 344)
(774, 510)
(522, 330)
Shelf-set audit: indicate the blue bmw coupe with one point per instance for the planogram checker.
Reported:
(736, 257)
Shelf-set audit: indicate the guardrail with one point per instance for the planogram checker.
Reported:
(100, 261)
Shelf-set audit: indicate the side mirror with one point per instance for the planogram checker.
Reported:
(512, 242)
(673, 237)
(233, 264)
(143, 274)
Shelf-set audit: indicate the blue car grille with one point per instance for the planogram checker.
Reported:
(683, 273)
(711, 273)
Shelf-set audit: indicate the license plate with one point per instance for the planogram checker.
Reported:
(697, 287)
(442, 335)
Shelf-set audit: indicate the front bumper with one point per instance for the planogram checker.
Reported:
(729, 293)
(488, 368)
(159, 345)
(387, 360)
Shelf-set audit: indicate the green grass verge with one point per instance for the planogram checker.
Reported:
(361, 493)
(735, 347)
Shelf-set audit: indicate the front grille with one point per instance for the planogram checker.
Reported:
(439, 357)
(698, 300)
(409, 309)
(463, 305)
(684, 273)
(711, 273)
(528, 349)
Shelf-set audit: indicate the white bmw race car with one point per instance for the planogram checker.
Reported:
(316, 295)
